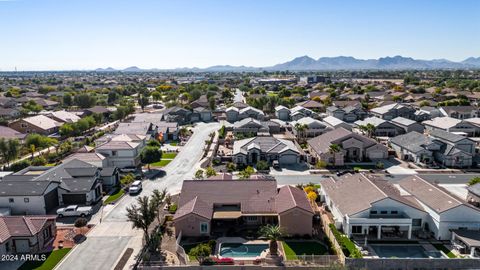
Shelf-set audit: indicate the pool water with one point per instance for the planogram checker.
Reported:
(403, 251)
(235, 250)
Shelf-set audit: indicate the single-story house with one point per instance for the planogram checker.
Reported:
(36, 124)
(251, 150)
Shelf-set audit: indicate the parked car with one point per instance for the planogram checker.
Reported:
(276, 165)
(135, 188)
(74, 211)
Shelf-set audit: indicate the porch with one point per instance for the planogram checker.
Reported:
(231, 223)
(378, 227)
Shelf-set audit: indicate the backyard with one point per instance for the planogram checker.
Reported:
(445, 250)
(53, 258)
(293, 249)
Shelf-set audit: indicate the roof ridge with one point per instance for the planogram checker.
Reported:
(439, 189)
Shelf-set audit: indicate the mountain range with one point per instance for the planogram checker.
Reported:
(306, 63)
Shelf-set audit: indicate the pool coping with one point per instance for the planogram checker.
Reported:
(375, 254)
(239, 240)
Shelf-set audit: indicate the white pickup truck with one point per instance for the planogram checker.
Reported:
(74, 210)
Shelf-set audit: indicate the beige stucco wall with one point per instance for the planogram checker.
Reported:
(189, 225)
(296, 222)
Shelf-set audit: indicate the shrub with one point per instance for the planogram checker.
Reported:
(348, 247)
(39, 161)
(262, 165)
(321, 164)
(231, 167)
(173, 208)
(19, 165)
(380, 165)
(201, 252)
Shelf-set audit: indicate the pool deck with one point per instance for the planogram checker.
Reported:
(240, 240)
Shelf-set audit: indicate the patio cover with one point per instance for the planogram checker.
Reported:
(227, 214)
(469, 237)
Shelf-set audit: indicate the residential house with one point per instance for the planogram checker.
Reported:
(235, 114)
(348, 114)
(63, 117)
(251, 150)
(446, 212)
(368, 206)
(120, 154)
(98, 110)
(452, 125)
(7, 102)
(456, 150)
(383, 128)
(282, 113)
(299, 112)
(353, 147)
(407, 125)
(312, 128)
(109, 175)
(39, 190)
(334, 123)
(312, 105)
(8, 133)
(146, 129)
(250, 126)
(202, 101)
(26, 234)
(9, 113)
(460, 112)
(415, 147)
(208, 206)
(177, 114)
(205, 114)
(36, 124)
(388, 112)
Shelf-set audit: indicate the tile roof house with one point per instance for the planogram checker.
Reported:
(251, 150)
(26, 234)
(9, 113)
(64, 116)
(313, 127)
(334, 123)
(460, 112)
(353, 147)
(383, 128)
(393, 110)
(8, 133)
(40, 124)
(347, 114)
(234, 114)
(38, 190)
(367, 205)
(209, 205)
(312, 105)
(121, 154)
(451, 125)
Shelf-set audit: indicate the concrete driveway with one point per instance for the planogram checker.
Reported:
(107, 241)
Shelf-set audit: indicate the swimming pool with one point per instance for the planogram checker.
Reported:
(237, 250)
(404, 251)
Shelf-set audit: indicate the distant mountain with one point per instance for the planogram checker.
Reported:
(472, 61)
(306, 63)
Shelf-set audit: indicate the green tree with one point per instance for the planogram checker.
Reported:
(84, 101)
(247, 172)
(262, 165)
(334, 148)
(210, 172)
(273, 233)
(199, 174)
(158, 197)
(150, 154)
(126, 180)
(142, 215)
(200, 252)
(67, 100)
(112, 97)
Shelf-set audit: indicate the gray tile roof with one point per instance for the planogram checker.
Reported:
(445, 135)
(412, 141)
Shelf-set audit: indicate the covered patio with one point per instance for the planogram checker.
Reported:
(467, 242)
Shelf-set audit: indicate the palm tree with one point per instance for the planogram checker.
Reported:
(370, 128)
(158, 197)
(301, 128)
(142, 215)
(273, 233)
(334, 148)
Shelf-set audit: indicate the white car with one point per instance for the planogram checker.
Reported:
(135, 188)
(74, 210)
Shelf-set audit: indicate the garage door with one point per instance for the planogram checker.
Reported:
(51, 200)
(74, 198)
(376, 155)
(287, 159)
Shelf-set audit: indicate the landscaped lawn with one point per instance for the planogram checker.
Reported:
(173, 143)
(161, 163)
(445, 250)
(115, 196)
(295, 248)
(169, 155)
(52, 260)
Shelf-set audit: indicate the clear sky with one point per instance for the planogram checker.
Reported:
(87, 34)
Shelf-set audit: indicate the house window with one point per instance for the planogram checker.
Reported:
(203, 227)
(373, 212)
(251, 218)
(11, 200)
(357, 229)
(47, 233)
(383, 212)
(417, 222)
(114, 153)
(393, 212)
(7, 247)
(26, 200)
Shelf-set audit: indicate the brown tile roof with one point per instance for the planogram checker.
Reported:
(320, 144)
(21, 226)
(290, 197)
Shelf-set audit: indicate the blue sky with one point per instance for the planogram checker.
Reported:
(86, 34)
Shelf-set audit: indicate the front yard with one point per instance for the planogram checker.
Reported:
(115, 196)
(293, 249)
(167, 157)
(53, 258)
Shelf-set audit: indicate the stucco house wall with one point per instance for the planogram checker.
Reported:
(296, 221)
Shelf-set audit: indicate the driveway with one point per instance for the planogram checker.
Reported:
(107, 241)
